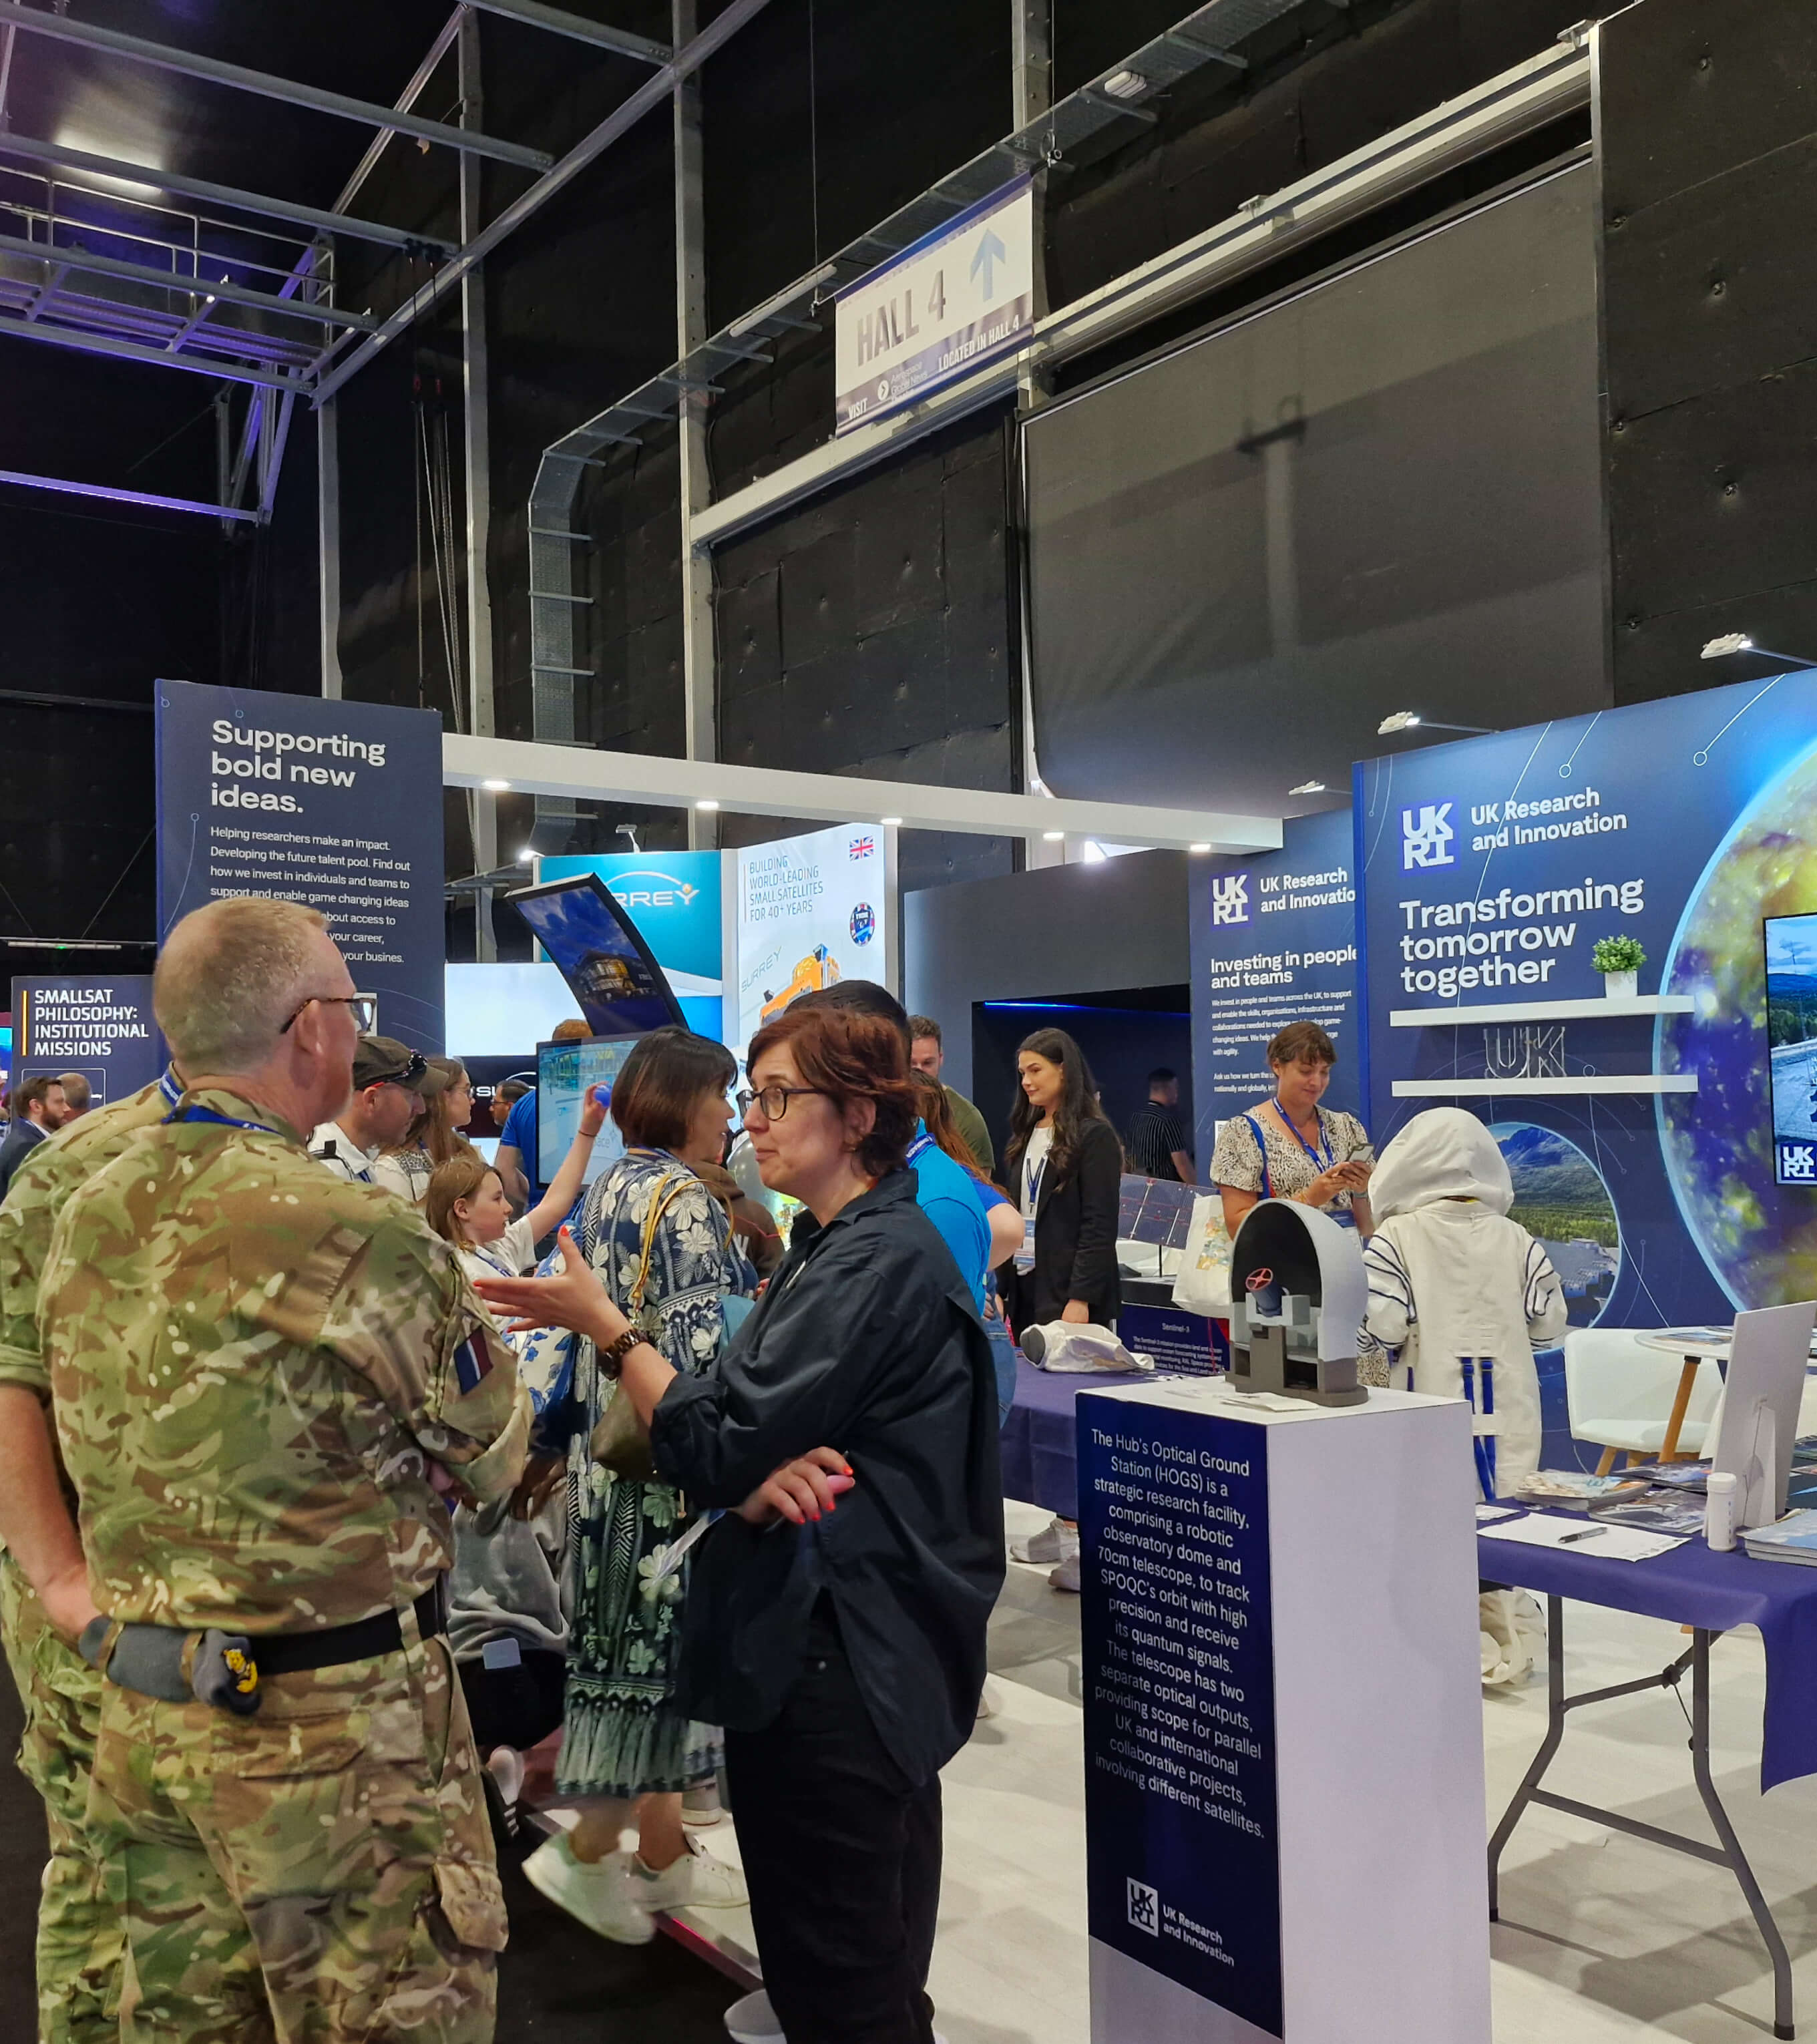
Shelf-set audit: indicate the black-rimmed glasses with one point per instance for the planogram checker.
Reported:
(772, 1100)
(363, 1007)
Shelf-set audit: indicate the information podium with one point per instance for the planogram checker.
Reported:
(1284, 1761)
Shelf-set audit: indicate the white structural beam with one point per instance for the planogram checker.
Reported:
(583, 775)
(1506, 107)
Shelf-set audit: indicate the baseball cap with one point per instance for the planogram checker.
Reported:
(383, 1061)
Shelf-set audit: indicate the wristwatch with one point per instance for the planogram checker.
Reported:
(610, 1360)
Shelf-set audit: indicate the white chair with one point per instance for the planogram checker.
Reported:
(1619, 1395)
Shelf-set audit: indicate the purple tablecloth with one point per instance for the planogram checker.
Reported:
(1040, 1436)
(1692, 1585)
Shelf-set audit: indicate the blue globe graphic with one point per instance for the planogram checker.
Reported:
(1759, 1239)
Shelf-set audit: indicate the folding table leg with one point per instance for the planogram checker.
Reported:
(1782, 2024)
(1555, 1709)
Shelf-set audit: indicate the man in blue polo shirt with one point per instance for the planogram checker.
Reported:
(516, 1160)
(946, 1194)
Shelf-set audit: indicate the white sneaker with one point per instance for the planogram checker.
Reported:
(505, 1764)
(1066, 1576)
(989, 1699)
(753, 2021)
(697, 1880)
(1054, 1542)
(596, 1892)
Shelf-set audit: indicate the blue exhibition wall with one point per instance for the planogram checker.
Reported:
(1640, 1134)
(1274, 941)
(336, 804)
(99, 1024)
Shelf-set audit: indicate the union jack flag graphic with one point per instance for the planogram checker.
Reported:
(861, 847)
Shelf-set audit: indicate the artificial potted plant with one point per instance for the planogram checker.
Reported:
(1619, 959)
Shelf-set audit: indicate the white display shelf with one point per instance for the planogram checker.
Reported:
(1540, 1011)
(1601, 1083)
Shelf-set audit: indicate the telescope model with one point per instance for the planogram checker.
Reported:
(1296, 1279)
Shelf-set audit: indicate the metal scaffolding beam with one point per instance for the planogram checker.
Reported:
(313, 217)
(406, 100)
(654, 92)
(137, 49)
(228, 292)
(535, 15)
(128, 351)
(142, 498)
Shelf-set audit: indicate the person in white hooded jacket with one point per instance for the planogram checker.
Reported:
(1460, 1295)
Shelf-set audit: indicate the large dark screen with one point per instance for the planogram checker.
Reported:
(1382, 494)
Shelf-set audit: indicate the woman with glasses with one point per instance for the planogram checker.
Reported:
(432, 1139)
(839, 1639)
(660, 1246)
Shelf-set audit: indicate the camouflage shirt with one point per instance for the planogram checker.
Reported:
(252, 1364)
(39, 1187)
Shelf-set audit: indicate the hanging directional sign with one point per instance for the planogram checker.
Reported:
(959, 296)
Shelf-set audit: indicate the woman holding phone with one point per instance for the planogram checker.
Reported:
(1290, 1147)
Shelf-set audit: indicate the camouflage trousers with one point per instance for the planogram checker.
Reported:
(78, 1943)
(323, 1871)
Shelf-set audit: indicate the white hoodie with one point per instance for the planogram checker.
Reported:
(1463, 1293)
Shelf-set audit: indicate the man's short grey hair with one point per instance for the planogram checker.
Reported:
(75, 1090)
(230, 976)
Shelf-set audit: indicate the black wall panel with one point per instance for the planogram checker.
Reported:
(1709, 129)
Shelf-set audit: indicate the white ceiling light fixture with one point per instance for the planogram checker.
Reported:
(526, 856)
(496, 787)
(1408, 720)
(706, 806)
(1308, 788)
(1738, 642)
(1093, 853)
(890, 822)
(1054, 837)
(1126, 85)
(1198, 848)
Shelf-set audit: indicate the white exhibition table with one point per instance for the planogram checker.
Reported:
(1283, 1762)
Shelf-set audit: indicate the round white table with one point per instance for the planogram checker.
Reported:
(1697, 1345)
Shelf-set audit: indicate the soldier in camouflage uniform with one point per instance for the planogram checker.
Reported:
(79, 1944)
(262, 1378)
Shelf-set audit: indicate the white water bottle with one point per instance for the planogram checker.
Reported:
(1720, 1511)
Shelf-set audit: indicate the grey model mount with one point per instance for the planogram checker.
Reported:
(1298, 1281)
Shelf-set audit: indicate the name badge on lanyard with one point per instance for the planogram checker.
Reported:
(1032, 1177)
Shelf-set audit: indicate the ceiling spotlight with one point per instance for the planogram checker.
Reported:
(1054, 837)
(526, 855)
(1095, 854)
(496, 787)
(1308, 788)
(890, 822)
(1405, 720)
(1126, 85)
(1198, 848)
(706, 806)
(1740, 642)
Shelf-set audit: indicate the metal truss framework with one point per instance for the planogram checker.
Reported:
(97, 256)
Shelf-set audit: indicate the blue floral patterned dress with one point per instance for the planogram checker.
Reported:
(622, 1734)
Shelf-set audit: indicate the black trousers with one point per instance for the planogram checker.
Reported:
(517, 1706)
(842, 1855)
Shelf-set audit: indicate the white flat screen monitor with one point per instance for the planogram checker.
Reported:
(1761, 1391)
(564, 1073)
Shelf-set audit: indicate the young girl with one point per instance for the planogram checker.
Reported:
(466, 1203)
(1457, 1292)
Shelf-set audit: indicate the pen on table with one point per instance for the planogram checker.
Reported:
(1588, 1533)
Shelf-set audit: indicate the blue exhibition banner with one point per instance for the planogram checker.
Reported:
(676, 900)
(1183, 1869)
(1273, 940)
(336, 804)
(1493, 866)
(100, 1026)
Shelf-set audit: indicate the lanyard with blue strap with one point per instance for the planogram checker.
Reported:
(1322, 1157)
(1032, 1174)
(1484, 1444)
(195, 1112)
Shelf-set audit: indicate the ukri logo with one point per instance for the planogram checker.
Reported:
(1426, 835)
(1230, 898)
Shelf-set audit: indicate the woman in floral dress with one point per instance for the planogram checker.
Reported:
(624, 1741)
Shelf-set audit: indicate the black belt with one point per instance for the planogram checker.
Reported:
(298, 1653)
